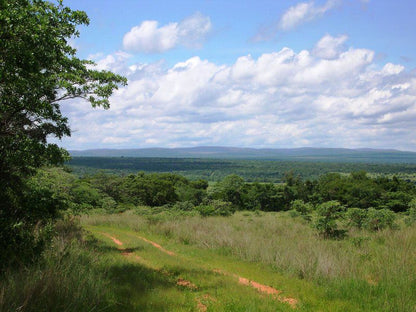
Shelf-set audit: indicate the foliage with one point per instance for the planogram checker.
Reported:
(216, 207)
(371, 219)
(38, 69)
(356, 217)
(378, 219)
(215, 170)
(326, 222)
(411, 218)
(301, 207)
(264, 196)
(230, 189)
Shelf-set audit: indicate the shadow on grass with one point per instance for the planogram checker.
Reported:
(133, 285)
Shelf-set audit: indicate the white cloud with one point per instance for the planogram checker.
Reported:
(115, 62)
(148, 37)
(329, 47)
(295, 16)
(330, 96)
(193, 30)
(304, 12)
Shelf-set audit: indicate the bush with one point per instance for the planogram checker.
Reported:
(356, 217)
(411, 212)
(411, 218)
(378, 219)
(216, 208)
(108, 203)
(326, 223)
(184, 206)
(301, 207)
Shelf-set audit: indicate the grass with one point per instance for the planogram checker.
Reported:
(365, 272)
(65, 279)
(221, 292)
(88, 271)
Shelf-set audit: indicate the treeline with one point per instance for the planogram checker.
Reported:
(117, 193)
(355, 200)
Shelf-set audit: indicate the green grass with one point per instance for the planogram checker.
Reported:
(67, 278)
(219, 292)
(87, 271)
(365, 272)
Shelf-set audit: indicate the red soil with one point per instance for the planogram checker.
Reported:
(115, 240)
(171, 253)
(181, 282)
(185, 283)
(200, 306)
(262, 288)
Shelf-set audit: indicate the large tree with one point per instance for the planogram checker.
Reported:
(38, 70)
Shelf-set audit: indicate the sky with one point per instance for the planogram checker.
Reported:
(262, 74)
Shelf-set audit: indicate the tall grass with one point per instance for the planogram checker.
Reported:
(65, 279)
(374, 267)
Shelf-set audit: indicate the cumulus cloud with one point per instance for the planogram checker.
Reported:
(333, 95)
(329, 47)
(149, 37)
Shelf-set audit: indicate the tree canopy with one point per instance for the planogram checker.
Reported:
(38, 70)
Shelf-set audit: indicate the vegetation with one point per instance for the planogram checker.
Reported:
(366, 271)
(236, 240)
(251, 170)
(332, 205)
(38, 70)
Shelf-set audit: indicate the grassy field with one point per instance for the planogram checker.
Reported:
(220, 259)
(251, 261)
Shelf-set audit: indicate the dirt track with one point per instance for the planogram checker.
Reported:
(275, 293)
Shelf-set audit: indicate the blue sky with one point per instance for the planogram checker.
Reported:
(327, 73)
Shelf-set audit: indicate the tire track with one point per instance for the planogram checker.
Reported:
(180, 281)
(275, 293)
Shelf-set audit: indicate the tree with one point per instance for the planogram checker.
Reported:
(230, 189)
(38, 70)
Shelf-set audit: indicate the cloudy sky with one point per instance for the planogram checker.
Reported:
(264, 73)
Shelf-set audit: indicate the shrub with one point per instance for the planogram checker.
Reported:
(216, 208)
(378, 219)
(411, 213)
(356, 217)
(301, 207)
(326, 223)
(184, 206)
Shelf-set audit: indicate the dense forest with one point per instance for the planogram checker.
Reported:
(251, 170)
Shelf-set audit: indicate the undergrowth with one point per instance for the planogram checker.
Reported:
(64, 279)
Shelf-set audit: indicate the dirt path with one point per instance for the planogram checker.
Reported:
(180, 282)
(170, 253)
(275, 293)
(115, 240)
(261, 288)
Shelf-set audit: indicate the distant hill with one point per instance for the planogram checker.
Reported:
(296, 154)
